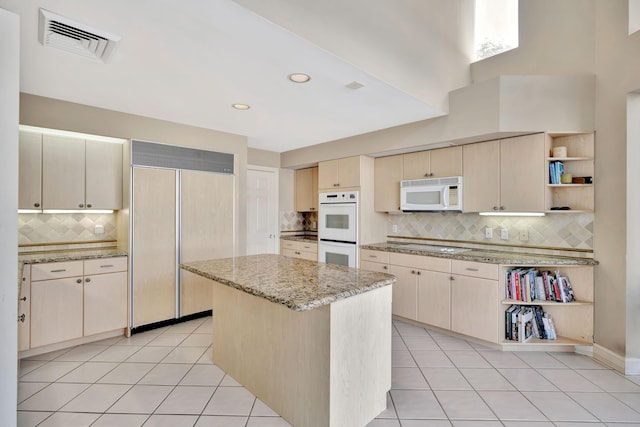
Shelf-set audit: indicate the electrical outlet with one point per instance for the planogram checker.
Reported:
(488, 233)
(524, 235)
(394, 228)
(504, 233)
(98, 229)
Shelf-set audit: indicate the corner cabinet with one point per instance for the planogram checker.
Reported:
(577, 196)
(505, 175)
(306, 190)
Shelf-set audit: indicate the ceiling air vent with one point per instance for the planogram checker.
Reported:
(65, 34)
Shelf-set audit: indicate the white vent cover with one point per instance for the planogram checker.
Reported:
(63, 33)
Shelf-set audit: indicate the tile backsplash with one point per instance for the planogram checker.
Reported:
(35, 228)
(562, 231)
(298, 221)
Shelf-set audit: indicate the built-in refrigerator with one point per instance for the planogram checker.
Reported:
(182, 203)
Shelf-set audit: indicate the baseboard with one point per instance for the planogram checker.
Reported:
(625, 365)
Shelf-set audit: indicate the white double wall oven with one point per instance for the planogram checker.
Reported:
(338, 228)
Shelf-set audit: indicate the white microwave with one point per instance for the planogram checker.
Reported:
(432, 194)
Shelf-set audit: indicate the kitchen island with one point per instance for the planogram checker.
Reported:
(311, 340)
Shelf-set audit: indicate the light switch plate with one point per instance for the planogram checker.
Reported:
(504, 233)
(99, 229)
(488, 233)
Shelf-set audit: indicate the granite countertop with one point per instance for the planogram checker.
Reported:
(478, 255)
(295, 283)
(68, 255)
(301, 238)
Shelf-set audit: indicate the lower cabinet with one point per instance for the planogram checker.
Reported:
(434, 299)
(76, 299)
(474, 299)
(405, 290)
(299, 249)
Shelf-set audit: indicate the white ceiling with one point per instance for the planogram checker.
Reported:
(187, 62)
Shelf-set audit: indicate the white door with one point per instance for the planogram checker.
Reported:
(262, 210)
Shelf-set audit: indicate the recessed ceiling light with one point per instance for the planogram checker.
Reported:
(299, 77)
(241, 106)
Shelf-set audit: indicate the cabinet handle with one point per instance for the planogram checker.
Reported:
(384, 267)
(501, 208)
(452, 278)
(89, 205)
(418, 272)
(80, 205)
(23, 299)
(58, 271)
(313, 209)
(336, 185)
(78, 280)
(22, 317)
(413, 272)
(495, 208)
(106, 266)
(471, 269)
(36, 204)
(88, 279)
(373, 256)
(297, 253)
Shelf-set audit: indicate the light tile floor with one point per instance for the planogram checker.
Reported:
(165, 377)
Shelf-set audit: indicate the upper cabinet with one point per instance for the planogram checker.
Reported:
(437, 163)
(576, 154)
(339, 173)
(387, 177)
(74, 173)
(306, 195)
(30, 171)
(505, 175)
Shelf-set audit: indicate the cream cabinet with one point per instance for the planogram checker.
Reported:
(475, 299)
(81, 174)
(306, 190)
(30, 171)
(438, 163)
(299, 249)
(339, 173)
(374, 260)
(387, 177)
(76, 299)
(505, 175)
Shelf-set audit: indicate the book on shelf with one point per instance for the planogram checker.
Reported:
(529, 285)
(556, 169)
(522, 323)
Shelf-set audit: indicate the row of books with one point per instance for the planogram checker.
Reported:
(523, 323)
(528, 284)
(556, 169)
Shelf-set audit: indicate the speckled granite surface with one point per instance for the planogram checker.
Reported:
(491, 257)
(295, 283)
(309, 239)
(71, 255)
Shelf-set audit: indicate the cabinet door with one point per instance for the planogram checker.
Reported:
(349, 172)
(328, 174)
(103, 175)
(481, 176)
(314, 189)
(522, 168)
(206, 232)
(56, 311)
(304, 195)
(416, 165)
(446, 162)
(387, 177)
(154, 245)
(105, 302)
(63, 174)
(30, 170)
(405, 292)
(474, 308)
(434, 298)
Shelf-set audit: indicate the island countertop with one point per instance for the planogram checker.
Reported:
(295, 283)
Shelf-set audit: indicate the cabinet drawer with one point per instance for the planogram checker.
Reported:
(55, 270)
(374, 266)
(105, 265)
(475, 269)
(421, 262)
(374, 256)
(297, 245)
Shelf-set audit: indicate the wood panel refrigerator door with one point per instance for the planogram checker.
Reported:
(206, 232)
(262, 212)
(154, 245)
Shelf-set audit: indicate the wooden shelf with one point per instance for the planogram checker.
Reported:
(560, 341)
(567, 159)
(568, 211)
(541, 302)
(569, 185)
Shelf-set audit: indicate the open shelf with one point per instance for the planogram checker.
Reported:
(535, 342)
(568, 159)
(569, 185)
(544, 302)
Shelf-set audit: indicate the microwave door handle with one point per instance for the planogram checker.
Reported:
(445, 197)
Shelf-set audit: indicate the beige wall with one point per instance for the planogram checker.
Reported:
(56, 114)
(266, 158)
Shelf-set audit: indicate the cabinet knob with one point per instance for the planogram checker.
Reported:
(418, 272)
(89, 205)
(23, 299)
(384, 267)
(501, 208)
(413, 272)
(22, 317)
(451, 278)
(336, 185)
(81, 205)
(495, 208)
(36, 204)
(88, 279)
(78, 280)
(313, 209)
